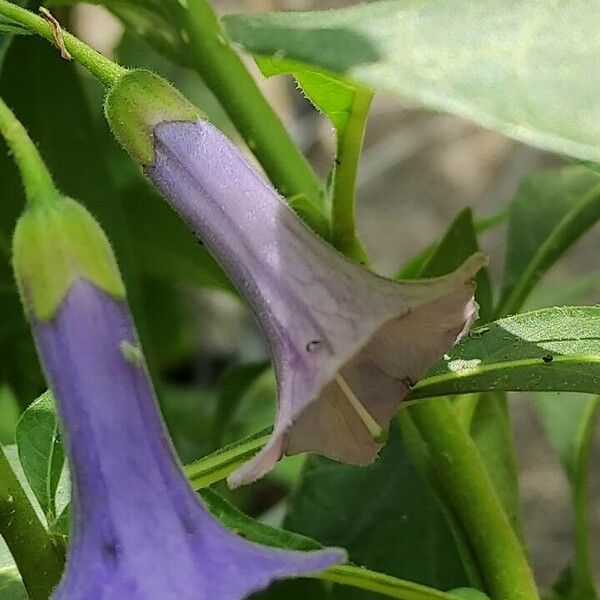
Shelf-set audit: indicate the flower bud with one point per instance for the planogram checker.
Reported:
(55, 244)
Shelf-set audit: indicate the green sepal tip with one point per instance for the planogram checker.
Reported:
(137, 103)
(55, 244)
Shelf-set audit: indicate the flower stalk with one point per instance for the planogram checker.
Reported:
(343, 202)
(35, 176)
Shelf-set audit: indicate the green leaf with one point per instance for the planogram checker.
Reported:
(518, 66)
(41, 451)
(401, 530)
(11, 585)
(411, 269)
(331, 95)
(551, 211)
(348, 574)
(552, 349)
(9, 415)
(570, 423)
(230, 390)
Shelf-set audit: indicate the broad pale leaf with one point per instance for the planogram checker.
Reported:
(521, 67)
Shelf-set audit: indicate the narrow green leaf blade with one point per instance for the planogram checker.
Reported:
(552, 349)
(518, 66)
(41, 451)
(550, 212)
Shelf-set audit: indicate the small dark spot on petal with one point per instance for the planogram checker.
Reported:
(188, 524)
(547, 358)
(312, 345)
(110, 550)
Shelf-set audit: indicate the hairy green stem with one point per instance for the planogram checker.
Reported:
(466, 485)
(101, 67)
(36, 177)
(349, 145)
(221, 463)
(39, 561)
(226, 75)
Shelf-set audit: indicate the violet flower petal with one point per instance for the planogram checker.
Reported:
(139, 531)
(340, 336)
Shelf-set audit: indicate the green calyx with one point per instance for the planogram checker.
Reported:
(137, 103)
(55, 244)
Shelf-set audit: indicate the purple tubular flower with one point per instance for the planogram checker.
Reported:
(139, 531)
(347, 345)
